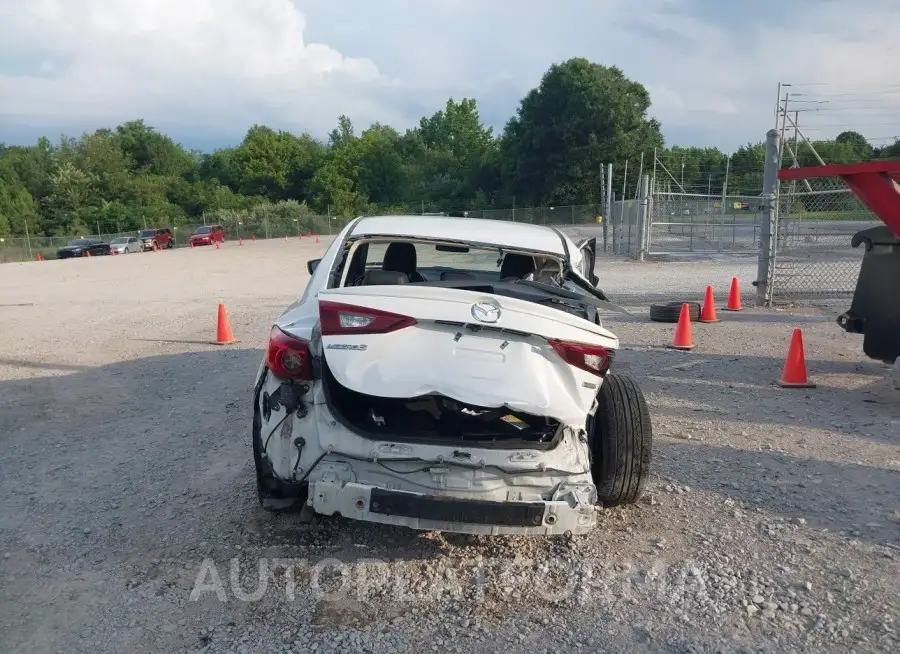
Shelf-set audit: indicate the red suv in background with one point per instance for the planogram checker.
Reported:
(157, 238)
(208, 234)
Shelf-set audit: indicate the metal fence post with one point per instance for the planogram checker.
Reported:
(768, 239)
(608, 217)
(643, 217)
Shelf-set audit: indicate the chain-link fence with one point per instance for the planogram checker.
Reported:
(813, 255)
(237, 225)
(690, 222)
(291, 220)
(806, 232)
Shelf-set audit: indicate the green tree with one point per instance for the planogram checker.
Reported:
(382, 173)
(890, 151)
(151, 151)
(857, 143)
(745, 175)
(581, 116)
(18, 209)
(452, 156)
(275, 165)
(30, 167)
(67, 203)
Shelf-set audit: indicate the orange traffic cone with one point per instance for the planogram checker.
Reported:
(224, 336)
(112, 252)
(192, 244)
(708, 311)
(794, 373)
(254, 237)
(734, 297)
(683, 339)
(87, 253)
(39, 257)
(217, 245)
(317, 238)
(241, 241)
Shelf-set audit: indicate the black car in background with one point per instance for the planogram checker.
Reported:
(81, 246)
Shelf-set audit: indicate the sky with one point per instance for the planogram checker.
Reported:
(203, 71)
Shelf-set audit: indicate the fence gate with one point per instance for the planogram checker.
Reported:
(687, 222)
(815, 223)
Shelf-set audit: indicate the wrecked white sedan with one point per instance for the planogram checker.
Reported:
(449, 374)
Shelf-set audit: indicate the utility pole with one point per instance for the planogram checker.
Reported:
(637, 188)
(784, 119)
(777, 105)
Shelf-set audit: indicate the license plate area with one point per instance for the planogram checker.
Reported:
(443, 509)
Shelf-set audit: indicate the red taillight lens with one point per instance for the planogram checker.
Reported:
(337, 318)
(592, 358)
(288, 356)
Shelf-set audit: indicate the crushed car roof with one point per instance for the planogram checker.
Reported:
(472, 230)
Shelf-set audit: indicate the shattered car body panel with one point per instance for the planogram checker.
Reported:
(457, 403)
(510, 364)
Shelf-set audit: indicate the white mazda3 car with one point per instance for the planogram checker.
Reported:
(449, 374)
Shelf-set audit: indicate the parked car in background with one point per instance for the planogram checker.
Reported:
(156, 238)
(125, 245)
(208, 234)
(79, 247)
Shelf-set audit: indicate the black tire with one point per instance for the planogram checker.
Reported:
(273, 494)
(621, 439)
(669, 311)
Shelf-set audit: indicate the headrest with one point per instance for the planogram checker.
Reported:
(384, 278)
(400, 256)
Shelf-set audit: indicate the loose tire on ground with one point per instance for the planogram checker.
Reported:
(620, 437)
(669, 311)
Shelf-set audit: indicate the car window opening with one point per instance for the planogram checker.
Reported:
(534, 277)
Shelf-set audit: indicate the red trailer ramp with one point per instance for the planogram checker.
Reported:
(875, 310)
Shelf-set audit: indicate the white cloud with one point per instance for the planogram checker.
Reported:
(219, 65)
(206, 60)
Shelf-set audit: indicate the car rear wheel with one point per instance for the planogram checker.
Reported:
(620, 437)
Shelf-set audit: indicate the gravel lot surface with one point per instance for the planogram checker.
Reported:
(772, 521)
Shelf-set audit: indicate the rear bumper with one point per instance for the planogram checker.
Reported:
(447, 512)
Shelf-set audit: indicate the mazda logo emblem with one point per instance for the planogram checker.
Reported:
(485, 312)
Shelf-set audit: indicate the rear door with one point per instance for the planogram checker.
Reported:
(481, 349)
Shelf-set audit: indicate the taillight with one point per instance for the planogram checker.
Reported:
(337, 318)
(288, 356)
(592, 358)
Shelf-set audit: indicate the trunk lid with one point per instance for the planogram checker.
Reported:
(477, 348)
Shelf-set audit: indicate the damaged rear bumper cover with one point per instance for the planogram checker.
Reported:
(569, 513)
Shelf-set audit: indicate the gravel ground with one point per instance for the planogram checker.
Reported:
(129, 519)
